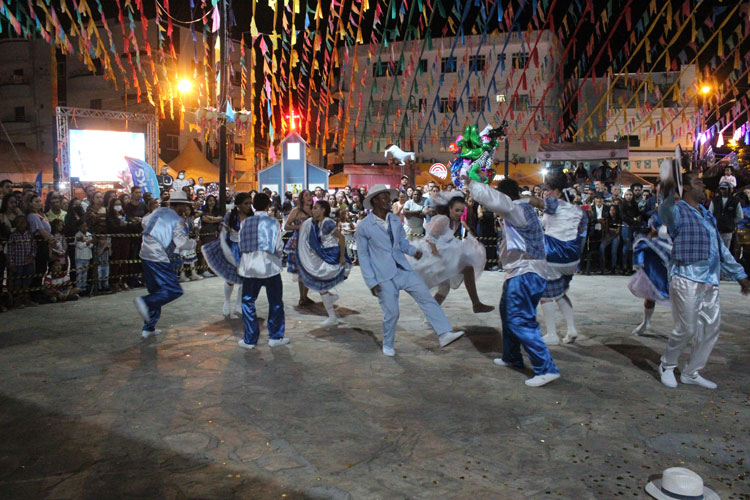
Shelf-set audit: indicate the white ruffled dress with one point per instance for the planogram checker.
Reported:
(455, 255)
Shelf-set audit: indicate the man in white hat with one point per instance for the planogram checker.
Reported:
(698, 259)
(381, 245)
(165, 235)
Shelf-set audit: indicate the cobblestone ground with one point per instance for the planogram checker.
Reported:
(88, 410)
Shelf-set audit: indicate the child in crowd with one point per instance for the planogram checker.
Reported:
(103, 249)
(729, 177)
(58, 247)
(57, 285)
(84, 242)
(21, 261)
(190, 257)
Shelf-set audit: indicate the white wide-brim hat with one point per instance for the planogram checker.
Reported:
(178, 197)
(376, 190)
(679, 483)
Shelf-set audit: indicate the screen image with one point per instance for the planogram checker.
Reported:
(99, 155)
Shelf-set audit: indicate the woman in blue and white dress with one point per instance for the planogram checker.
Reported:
(322, 262)
(563, 224)
(223, 254)
(651, 280)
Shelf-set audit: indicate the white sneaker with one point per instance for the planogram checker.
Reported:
(330, 322)
(640, 329)
(277, 342)
(207, 274)
(238, 311)
(242, 344)
(551, 339)
(500, 362)
(147, 334)
(696, 379)
(667, 377)
(225, 309)
(570, 337)
(142, 308)
(389, 351)
(448, 337)
(183, 278)
(540, 380)
(195, 277)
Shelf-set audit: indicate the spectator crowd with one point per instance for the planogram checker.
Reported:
(60, 247)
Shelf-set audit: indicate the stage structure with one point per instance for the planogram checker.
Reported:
(103, 122)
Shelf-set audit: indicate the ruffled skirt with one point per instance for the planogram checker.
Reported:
(315, 273)
(651, 279)
(455, 256)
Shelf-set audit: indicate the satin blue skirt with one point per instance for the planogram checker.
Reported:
(651, 260)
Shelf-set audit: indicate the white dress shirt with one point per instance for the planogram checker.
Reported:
(261, 264)
(152, 250)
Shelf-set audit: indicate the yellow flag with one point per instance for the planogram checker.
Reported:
(253, 28)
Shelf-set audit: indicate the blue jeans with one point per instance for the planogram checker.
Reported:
(163, 287)
(103, 276)
(274, 292)
(22, 277)
(614, 243)
(627, 246)
(521, 296)
(82, 273)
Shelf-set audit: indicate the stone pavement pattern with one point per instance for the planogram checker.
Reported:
(91, 411)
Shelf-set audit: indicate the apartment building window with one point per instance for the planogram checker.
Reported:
(239, 149)
(18, 75)
(236, 78)
(476, 104)
(632, 140)
(501, 58)
(422, 105)
(448, 65)
(499, 97)
(20, 112)
(521, 102)
(385, 68)
(172, 142)
(476, 63)
(422, 67)
(95, 104)
(520, 59)
(447, 105)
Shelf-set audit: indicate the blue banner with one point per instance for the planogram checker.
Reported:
(143, 176)
(38, 184)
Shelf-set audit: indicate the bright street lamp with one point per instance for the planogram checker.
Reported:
(184, 86)
(705, 89)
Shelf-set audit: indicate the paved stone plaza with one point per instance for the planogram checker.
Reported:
(91, 411)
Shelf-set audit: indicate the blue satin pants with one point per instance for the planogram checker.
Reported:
(521, 296)
(274, 292)
(163, 287)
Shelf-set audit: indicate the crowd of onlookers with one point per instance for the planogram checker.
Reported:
(63, 247)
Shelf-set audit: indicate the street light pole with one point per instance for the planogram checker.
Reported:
(223, 89)
(506, 157)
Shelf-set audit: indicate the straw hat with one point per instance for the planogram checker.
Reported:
(376, 190)
(178, 197)
(679, 483)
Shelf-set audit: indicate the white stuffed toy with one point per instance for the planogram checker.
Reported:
(397, 153)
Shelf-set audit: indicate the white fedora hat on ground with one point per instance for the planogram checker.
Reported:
(178, 197)
(679, 483)
(376, 190)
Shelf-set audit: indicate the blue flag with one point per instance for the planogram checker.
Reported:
(38, 184)
(143, 176)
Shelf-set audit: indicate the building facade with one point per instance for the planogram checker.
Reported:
(421, 96)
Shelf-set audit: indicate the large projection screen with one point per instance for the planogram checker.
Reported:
(99, 155)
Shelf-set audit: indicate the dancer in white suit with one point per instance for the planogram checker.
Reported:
(382, 245)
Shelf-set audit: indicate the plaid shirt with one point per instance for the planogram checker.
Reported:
(690, 236)
(21, 248)
(532, 233)
(259, 233)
